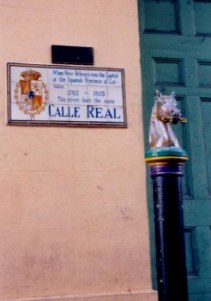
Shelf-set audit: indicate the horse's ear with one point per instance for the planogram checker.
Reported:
(173, 94)
(158, 97)
(158, 93)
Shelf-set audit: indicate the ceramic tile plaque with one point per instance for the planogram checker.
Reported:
(60, 95)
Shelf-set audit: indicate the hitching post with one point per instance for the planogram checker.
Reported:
(166, 159)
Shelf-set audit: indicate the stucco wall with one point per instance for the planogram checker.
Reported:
(73, 217)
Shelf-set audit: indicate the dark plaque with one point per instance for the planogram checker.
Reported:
(72, 55)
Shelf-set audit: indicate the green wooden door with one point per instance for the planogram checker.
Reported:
(176, 56)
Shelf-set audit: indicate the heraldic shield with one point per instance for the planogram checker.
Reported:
(31, 93)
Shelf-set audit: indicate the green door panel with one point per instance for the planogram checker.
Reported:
(175, 42)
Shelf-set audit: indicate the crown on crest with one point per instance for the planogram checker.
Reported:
(30, 75)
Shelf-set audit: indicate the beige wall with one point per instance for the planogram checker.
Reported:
(73, 216)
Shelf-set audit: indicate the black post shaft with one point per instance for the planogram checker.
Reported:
(169, 232)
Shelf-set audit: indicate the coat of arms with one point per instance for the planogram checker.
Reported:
(31, 93)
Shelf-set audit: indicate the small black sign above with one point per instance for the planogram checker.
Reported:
(72, 55)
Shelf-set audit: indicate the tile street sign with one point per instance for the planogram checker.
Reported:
(60, 95)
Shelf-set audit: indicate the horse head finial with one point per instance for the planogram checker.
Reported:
(165, 112)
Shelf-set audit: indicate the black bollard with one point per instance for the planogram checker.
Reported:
(166, 166)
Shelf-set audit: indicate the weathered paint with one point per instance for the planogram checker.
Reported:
(73, 216)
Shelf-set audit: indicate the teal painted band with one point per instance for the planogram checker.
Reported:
(165, 152)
